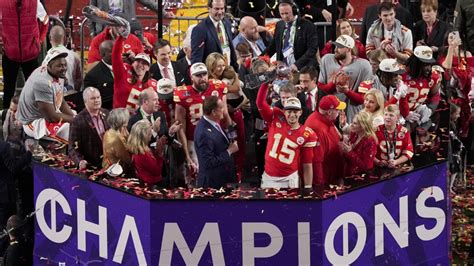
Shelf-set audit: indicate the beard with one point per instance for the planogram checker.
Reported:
(202, 86)
(340, 57)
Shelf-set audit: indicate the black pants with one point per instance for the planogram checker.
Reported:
(10, 72)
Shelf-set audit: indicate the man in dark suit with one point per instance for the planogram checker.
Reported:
(372, 14)
(86, 131)
(213, 34)
(164, 67)
(101, 76)
(295, 41)
(214, 151)
(309, 94)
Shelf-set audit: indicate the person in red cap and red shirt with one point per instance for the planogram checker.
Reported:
(327, 156)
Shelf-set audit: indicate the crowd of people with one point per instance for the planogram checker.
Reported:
(313, 112)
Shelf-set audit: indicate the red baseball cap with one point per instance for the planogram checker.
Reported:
(329, 102)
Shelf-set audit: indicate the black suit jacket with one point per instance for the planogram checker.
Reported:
(437, 34)
(138, 116)
(372, 14)
(183, 67)
(204, 41)
(100, 77)
(178, 72)
(216, 166)
(10, 167)
(305, 44)
(84, 141)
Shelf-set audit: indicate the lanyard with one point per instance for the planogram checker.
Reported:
(390, 148)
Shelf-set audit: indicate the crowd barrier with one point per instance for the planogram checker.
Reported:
(402, 220)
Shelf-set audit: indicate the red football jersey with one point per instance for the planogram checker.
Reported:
(287, 148)
(419, 89)
(403, 145)
(192, 100)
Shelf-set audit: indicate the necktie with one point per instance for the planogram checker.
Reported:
(220, 35)
(286, 38)
(166, 74)
(309, 101)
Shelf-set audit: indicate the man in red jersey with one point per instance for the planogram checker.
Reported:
(188, 111)
(289, 143)
(327, 155)
(423, 87)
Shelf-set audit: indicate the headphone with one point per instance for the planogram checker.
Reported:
(294, 7)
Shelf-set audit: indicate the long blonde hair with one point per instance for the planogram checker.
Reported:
(379, 99)
(139, 137)
(211, 63)
(365, 121)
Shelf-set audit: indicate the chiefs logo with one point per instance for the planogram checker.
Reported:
(300, 140)
(127, 46)
(401, 135)
(278, 125)
(215, 93)
(431, 83)
(189, 100)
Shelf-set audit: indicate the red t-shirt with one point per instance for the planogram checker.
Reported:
(400, 136)
(132, 43)
(191, 100)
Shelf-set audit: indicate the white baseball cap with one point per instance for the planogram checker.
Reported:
(292, 103)
(424, 53)
(198, 68)
(390, 65)
(143, 57)
(344, 41)
(54, 53)
(165, 89)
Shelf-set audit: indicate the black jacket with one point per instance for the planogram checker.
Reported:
(436, 37)
(305, 43)
(100, 77)
(178, 71)
(10, 166)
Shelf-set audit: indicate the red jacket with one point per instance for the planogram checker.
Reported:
(21, 33)
(327, 156)
(361, 157)
(148, 167)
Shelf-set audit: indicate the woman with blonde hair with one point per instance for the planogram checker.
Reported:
(360, 149)
(344, 26)
(147, 163)
(236, 100)
(374, 104)
(114, 140)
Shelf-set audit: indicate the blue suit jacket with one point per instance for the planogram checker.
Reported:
(239, 38)
(216, 166)
(204, 41)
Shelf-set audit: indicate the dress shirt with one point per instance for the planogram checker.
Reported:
(170, 72)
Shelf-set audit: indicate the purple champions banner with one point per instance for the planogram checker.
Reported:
(398, 221)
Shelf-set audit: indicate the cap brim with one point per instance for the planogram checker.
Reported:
(431, 61)
(292, 108)
(398, 72)
(341, 106)
(168, 96)
(199, 72)
(339, 45)
(144, 60)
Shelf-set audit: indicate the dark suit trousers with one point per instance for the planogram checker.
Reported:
(10, 72)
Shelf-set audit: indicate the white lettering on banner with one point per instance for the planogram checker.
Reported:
(84, 226)
(129, 227)
(209, 236)
(249, 251)
(344, 220)
(51, 233)
(304, 244)
(430, 212)
(173, 238)
(399, 233)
